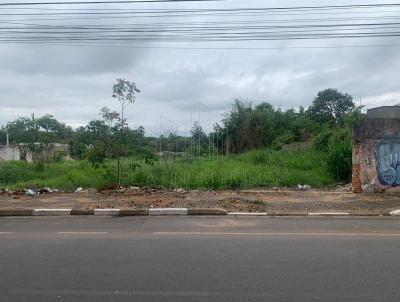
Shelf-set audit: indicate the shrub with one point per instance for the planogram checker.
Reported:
(339, 161)
(322, 141)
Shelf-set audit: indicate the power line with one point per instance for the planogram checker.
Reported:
(205, 10)
(226, 22)
(98, 2)
(124, 17)
(203, 27)
(93, 44)
(223, 30)
(175, 38)
(219, 29)
(158, 1)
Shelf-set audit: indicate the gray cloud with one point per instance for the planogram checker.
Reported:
(74, 82)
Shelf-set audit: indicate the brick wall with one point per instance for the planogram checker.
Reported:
(356, 182)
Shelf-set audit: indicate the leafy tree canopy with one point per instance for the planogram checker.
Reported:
(331, 106)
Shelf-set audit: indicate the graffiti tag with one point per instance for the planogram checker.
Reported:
(389, 163)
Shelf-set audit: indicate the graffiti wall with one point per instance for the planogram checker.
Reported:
(380, 163)
(388, 155)
(376, 151)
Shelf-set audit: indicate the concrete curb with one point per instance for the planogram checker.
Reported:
(51, 212)
(82, 212)
(133, 212)
(211, 211)
(247, 214)
(369, 214)
(16, 212)
(178, 212)
(287, 214)
(167, 211)
(329, 214)
(106, 212)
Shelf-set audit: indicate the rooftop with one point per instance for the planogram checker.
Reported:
(384, 112)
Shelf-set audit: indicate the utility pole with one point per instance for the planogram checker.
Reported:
(33, 129)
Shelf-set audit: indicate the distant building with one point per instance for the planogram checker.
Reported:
(20, 152)
(385, 112)
(376, 151)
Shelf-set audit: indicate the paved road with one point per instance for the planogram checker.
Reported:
(199, 259)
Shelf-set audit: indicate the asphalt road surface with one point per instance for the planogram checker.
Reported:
(199, 259)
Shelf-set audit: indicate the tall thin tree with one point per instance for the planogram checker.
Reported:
(125, 92)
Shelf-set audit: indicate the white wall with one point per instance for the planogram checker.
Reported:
(9, 153)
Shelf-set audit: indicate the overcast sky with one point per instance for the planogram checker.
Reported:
(73, 82)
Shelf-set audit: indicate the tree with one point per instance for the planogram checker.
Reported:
(85, 137)
(124, 91)
(113, 131)
(246, 127)
(113, 139)
(199, 137)
(97, 127)
(331, 106)
(53, 127)
(21, 130)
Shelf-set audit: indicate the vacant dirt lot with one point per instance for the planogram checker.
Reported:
(272, 201)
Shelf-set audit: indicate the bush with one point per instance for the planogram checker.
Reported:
(339, 161)
(322, 141)
(281, 140)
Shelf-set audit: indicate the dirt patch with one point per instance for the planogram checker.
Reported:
(271, 201)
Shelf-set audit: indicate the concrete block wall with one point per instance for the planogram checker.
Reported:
(9, 152)
(376, 153)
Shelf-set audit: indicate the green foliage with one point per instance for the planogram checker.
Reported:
(297, 160)
(96, 156)
(198, 135)
(52, 130)
(322, 141)
(337, 144)
(125, 92)
(63, 175)
(246, 127)
(285, 138)
(331, 106)
(20, 130)
(353, 118)
(263, 168)
(43, 130)
(104, 142)
(339, 161)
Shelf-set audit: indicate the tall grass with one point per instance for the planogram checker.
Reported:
(64, 175)
(264, 168)
(253, 169)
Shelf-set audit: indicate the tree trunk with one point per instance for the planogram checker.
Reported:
(118, 171)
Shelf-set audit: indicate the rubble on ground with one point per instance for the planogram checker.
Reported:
(30, 192)
(3, 190)
(344, 187)
(303, 187)
(34, 191)
(368, 188)
(81, 190)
